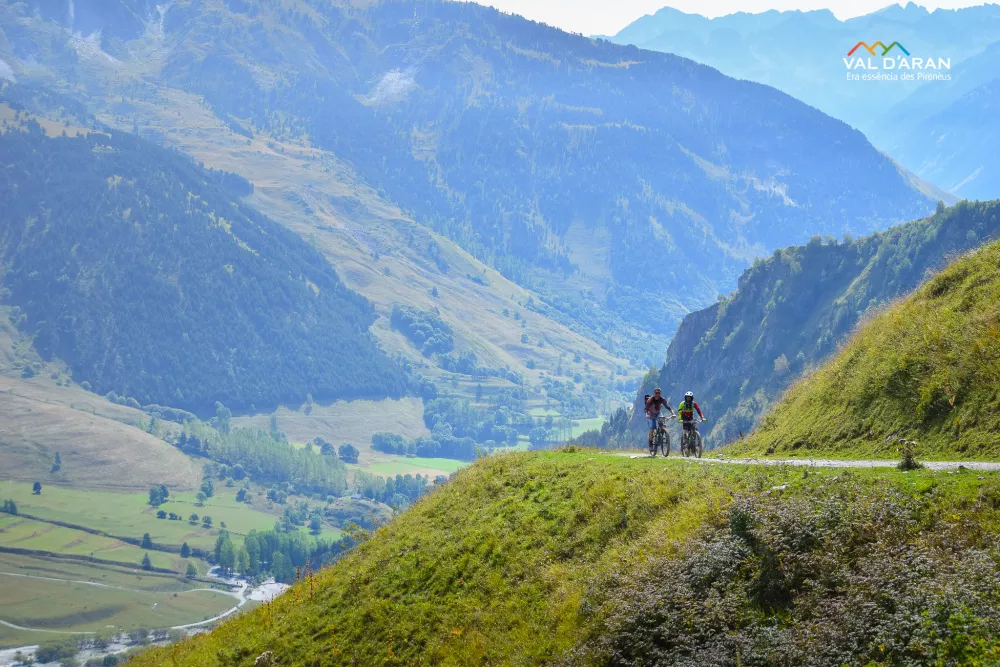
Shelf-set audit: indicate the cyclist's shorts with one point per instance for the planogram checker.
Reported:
(651, 423)
(688, 425)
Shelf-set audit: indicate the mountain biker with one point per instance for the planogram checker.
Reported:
(654, 404)
(686, 410)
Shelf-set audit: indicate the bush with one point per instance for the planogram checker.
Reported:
(844, 576)
(425, 330)
(348, 453)
(56, 650)
(389, 443)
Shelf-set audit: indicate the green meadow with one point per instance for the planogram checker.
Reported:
(20, 533)
(130, 515)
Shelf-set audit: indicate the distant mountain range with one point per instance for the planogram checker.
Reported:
(945, 131)
(794, 309)
(624, 187)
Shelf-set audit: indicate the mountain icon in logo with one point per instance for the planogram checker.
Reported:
(871, 49)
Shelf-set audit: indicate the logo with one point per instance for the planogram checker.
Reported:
(893, 63)
(871, 49)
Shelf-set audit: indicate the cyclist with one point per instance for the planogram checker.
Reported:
(686, 410)
(654, 404)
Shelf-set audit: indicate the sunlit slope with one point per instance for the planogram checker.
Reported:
(926, 369)
(488, 570)
(582, 558)
(99, 442)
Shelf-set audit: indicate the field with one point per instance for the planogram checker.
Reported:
(542, 412)
(129, 514)
(52, 594)
(11, 638)
(388, 464)
(346, 421)
(591, 424)
(20, 533)
(54, 605)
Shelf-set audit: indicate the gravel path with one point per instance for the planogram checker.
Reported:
(839, 463)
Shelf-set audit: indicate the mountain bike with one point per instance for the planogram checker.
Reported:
(691, 440)
(661, 437)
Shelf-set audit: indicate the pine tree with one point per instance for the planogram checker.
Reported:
(185, 550)
(146, 563)
(147, 541)
(243, 561)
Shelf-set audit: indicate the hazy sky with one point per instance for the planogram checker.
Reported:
(607, 17)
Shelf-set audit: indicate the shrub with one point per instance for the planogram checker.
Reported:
(425, 330)
(847, 575)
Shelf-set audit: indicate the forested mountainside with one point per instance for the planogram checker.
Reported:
(793, 309)
(950, 150)
(926, 371)
(136, 268)
(601, 175)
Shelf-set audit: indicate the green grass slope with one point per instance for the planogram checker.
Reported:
(926, 369)
(577, 558)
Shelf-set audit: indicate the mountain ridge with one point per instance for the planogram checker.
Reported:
(659, 191)
(922, 374)
(792, 310)
(760, 47)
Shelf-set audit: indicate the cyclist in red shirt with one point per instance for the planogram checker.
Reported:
(654, 404)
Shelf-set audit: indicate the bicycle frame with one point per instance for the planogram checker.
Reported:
(661, 437)
(690, 440)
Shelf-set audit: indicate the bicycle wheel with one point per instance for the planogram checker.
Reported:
(658, 442)
(698, 440)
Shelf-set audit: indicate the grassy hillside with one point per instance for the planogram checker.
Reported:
(793, 309)
(925, 369)
(96, 452)
(578, 557)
